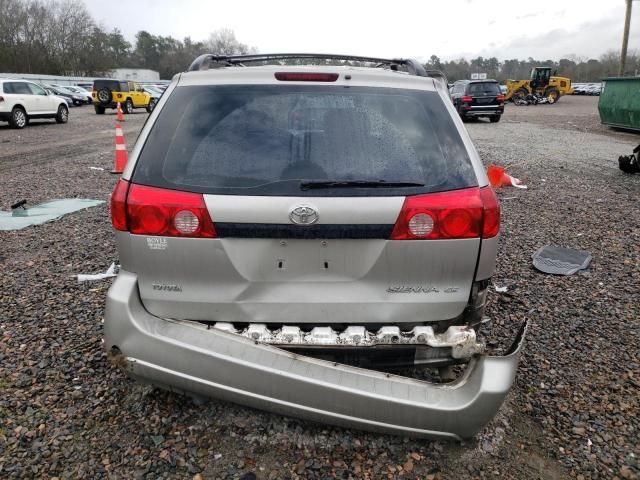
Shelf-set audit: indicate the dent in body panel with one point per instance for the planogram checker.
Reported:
(269, 280)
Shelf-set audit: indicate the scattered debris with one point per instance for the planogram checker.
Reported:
(97, 168)
(112, 271)
(501, 289)
(19, 204)
(21, 216)
(630, 163)
(498, 178)
(560, 260)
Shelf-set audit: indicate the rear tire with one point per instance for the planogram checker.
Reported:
(18, 118)
(99, 109)
(495, 118)
(152, 105)
(63, 114)
(128, 106)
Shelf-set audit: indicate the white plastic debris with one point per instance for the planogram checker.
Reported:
(111, 272)
(501, 289)
(97, 168)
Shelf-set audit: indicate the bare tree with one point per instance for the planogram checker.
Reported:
(224, 41)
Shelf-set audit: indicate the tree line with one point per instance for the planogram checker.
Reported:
(576, 68)
(60, 37)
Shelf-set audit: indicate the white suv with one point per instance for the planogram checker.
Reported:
(20, 101)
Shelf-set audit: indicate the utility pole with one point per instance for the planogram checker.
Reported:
(625, 39)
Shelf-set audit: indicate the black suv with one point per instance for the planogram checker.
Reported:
(478, 98)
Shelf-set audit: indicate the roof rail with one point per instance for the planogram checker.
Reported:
(209, 60)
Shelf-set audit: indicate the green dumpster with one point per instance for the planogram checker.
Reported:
(619, 103)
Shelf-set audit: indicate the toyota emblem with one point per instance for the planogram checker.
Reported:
(303, 215)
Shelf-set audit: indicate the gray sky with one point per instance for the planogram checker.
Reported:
(403, 28)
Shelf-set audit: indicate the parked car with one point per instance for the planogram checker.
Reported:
(75, 98)
(279, 226)
(67, 100)
(21, 101)
(107, 93)
(86, 95)
(478, 98)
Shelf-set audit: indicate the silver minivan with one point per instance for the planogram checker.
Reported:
(292, 236)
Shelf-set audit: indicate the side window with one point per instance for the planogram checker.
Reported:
(124, 87)
(21, 88)
(7, 87)
(36, 90)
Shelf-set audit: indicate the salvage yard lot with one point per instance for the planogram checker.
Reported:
(66, 411)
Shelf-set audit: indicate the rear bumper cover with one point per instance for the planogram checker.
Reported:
(482, 111)
(188, 357)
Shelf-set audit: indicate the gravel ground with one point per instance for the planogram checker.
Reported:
(67, 412)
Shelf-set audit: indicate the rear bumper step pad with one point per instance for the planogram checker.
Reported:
(189, 358)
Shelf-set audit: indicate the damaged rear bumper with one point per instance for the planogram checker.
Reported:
(186, 357)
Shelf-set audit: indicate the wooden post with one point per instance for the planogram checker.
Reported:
(625, 39)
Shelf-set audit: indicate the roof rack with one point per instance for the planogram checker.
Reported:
(208, 60)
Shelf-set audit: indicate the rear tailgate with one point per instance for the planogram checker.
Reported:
(485, 95)
(248, 150)
(319, 279)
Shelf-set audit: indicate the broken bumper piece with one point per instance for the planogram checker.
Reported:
(189, 358)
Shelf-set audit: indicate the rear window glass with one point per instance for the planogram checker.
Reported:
(268, 139)
(485, 88)
(113, 85)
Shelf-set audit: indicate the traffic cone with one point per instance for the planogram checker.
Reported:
(119, 110)
(498, 178)
(121, 151)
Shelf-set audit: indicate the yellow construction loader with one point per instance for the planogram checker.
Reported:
(541, 84)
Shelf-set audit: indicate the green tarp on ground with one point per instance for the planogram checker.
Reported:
(45, 212)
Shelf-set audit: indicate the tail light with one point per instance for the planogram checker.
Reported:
(119, 206)
(1, 98)
(467, 99)
(306, 77)
(468, 213)
(143, 210)
(500, 98)
(491, 218)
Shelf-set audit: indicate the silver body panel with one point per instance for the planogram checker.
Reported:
(262, 292)
(187, 357)
(285, 281)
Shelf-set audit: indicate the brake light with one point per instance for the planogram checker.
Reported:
(306, 77)
(119, 205)
(144, 210)
(468, 213)
(500, 98)
(1, 98)
(467, 99)
(491, 205)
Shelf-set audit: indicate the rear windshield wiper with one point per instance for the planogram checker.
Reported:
(357, 184)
